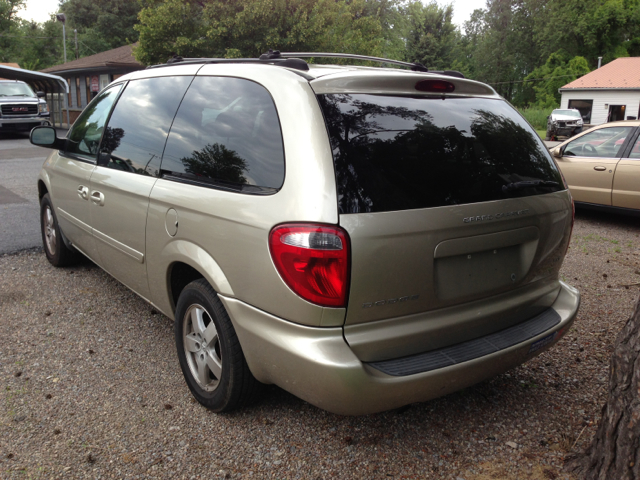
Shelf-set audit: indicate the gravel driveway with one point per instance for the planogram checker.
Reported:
(92, 389)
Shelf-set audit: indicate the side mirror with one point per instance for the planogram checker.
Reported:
(557, 152)
(46, 137)
(41, 94)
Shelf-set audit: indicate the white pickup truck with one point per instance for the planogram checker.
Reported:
(21, 108)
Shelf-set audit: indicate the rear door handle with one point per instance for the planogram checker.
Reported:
(600, 169)
(83, 192)
(97, 198)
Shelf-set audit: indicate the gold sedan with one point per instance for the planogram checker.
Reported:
(602, 165)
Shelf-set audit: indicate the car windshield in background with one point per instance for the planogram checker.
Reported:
(400, 153)
(568, 113)
(15, 90)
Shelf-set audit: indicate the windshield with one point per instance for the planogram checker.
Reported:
(16, 89)
(568, 113)
(400, 153)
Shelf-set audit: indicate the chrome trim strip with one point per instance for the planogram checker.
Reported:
(112, 242)
(78, 223)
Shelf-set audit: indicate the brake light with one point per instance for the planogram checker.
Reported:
(435, 86)
(313, 260)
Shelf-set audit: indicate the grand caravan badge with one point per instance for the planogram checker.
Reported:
(497, 216)
(391, 301)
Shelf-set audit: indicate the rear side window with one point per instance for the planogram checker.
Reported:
(400, 153)
(135, 136)
(227, 135)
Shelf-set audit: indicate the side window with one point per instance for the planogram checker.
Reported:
(226, 134)
(604, 142)
(137, 131)
(84, 137)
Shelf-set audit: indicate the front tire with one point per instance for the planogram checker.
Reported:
(57, 252)
(209, 352)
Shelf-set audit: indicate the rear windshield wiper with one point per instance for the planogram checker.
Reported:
(509, 187)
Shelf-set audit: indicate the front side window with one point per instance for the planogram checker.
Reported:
(399, 153)
(603, 143)
(227, 135)
(137, 131)
(84, 137)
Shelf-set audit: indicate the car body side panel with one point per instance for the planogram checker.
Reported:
(69, 184)
(590, 179)
(233, 228)
(189, 253)
(119, 222)
(626, 184)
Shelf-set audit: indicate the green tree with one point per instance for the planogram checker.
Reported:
(431, 35)
(501, 47)
(102, 24)
(8, 23)
(556, 72)
(40, 45)
(598, 28)
(247, 28)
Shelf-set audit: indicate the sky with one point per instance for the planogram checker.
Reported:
(39, 10)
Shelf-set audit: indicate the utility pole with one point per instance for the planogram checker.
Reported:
(75, 32)
(61, 17)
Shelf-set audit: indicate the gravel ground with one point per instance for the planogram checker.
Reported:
(92, 389)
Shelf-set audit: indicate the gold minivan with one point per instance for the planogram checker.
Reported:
(364, 238)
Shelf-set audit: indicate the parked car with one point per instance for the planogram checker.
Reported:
(564, 122)
(20, 108)
(602, 166)
(364, 238)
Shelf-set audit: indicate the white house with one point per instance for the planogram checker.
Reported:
(607, 94)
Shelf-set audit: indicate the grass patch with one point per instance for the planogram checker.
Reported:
(536, 117)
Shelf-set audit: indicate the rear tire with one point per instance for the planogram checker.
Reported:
(57, 252)
(209, 352)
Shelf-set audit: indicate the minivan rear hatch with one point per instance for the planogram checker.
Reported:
(457, 215)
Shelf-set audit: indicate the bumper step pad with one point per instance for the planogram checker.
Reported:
(463, 352)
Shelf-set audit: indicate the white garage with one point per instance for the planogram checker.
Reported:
(607, 94)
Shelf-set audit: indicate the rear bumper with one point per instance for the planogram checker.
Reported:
(317, 365)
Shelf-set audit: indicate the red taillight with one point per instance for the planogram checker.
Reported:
(313, 260)
(435, 86)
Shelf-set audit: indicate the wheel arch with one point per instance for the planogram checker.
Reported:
(42, 189)
(190, 262)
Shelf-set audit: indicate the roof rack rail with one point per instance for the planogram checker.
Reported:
(295, 63)
(294, 60)
(275, 54)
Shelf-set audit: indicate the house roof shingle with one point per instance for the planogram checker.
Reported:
(620, 73)
(118, 57)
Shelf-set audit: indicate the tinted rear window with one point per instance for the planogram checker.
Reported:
(400, 153)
